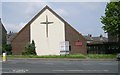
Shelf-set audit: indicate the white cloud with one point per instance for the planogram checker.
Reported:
(14, 28)
(61, 12)
(30, 9)
(32, 6)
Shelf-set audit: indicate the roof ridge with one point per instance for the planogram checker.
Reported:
(40, 12)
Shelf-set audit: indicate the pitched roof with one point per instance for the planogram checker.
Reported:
(88, 38)
(96, 39)
(36, 16)
(104, 39)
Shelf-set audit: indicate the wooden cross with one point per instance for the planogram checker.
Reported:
(47, 23)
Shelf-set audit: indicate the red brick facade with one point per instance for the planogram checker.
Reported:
(21, 40)
(73, 36)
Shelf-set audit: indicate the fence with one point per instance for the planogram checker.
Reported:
(104, 48)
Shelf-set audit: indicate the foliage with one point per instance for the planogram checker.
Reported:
(111, 20)
(7, 48)
(30, 49)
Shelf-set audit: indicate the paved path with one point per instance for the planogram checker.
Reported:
(58, 66)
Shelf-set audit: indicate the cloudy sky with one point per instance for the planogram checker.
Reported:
(83, 16)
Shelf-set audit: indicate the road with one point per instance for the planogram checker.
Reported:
(58, 66)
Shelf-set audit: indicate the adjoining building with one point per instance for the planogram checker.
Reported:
(52, 35)
(3, 34)
(95, 40)
(100, 45)
(113, 41)
(10, 37)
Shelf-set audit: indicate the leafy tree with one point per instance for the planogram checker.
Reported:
(111, 20)
(30, 49)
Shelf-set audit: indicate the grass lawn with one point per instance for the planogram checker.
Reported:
(81, 56)
(101, 56)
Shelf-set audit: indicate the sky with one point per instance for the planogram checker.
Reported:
(83, 16)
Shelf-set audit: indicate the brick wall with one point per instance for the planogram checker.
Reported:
(21, 40)
(72, 36)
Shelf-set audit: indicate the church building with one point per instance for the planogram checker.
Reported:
(52, 35)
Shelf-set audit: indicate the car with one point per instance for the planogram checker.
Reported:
(118, 56)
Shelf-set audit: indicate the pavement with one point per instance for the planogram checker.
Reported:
(59, 66)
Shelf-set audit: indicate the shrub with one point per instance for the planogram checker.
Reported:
(7, 48)
(30, 49)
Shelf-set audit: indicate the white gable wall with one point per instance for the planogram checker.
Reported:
(56, 33)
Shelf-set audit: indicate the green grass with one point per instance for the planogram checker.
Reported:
(48, 56)
(76, 56)
(101, 56)
(81, 56)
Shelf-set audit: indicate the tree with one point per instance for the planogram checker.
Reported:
(30, 49)
(111, 20)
